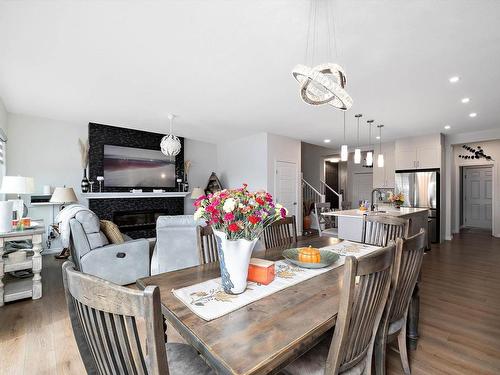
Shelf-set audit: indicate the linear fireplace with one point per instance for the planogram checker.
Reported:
(135, 216)
(130, 221)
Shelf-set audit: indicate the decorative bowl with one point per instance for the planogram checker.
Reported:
(327, 258)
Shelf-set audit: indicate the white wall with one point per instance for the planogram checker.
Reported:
(203, 156)
(3, 116)
(48, 151)
(452, 176)
(244, 160)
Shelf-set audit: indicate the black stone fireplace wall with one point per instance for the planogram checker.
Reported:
(100, 135)
(107, 209)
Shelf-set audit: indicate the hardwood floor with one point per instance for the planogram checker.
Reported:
(459, 317)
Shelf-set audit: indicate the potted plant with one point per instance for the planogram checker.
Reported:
(397, 199)
(237, 217)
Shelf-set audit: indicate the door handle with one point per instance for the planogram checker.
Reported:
(294, 203)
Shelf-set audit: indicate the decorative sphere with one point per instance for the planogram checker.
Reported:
(170, 145)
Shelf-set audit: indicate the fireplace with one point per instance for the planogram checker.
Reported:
(135, 216)
(130, 221)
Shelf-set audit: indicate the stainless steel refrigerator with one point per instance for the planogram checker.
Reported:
(421, 189)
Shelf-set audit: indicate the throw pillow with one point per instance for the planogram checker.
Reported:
(112, 232)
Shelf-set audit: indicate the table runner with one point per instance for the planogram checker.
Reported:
(209, 301)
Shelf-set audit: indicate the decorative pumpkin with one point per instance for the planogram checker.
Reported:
(309, 255)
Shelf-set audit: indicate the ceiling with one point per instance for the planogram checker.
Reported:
(224, 67)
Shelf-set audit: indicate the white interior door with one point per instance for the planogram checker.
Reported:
(362, 188)
(477, 185)
(286, 186)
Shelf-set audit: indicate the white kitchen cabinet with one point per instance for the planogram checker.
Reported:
(384, 177)
(418, 152)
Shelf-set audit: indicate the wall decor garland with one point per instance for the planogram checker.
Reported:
(476, 153)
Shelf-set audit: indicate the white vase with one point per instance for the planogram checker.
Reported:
(234, 258)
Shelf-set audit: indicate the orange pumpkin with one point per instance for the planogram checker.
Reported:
(309, 255)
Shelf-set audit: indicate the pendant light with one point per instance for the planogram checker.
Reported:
(357, 150)
(344, 152)
(369, 154)
(323, 83)
(170, 144)
(380, 159)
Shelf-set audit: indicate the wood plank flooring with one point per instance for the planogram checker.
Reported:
(459, 317)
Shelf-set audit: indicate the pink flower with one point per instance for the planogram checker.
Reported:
(283, 212)
(229, 216)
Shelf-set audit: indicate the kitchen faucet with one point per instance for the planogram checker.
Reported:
(373, 199)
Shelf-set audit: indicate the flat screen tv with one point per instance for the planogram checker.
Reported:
(137, 167)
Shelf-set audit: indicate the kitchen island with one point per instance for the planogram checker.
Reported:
(350, 222)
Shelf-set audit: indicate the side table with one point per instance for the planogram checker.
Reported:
(23, 288)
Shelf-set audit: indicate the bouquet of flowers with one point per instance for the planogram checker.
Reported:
(239, 213)
(397, 199)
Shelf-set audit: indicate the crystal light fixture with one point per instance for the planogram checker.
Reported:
(357, 150)
(380, 159)
(369, 154)
(344, 152)
(323, 83)
(170, 144)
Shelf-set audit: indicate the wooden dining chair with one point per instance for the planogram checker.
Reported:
(365, 289)
(326, 222)
(207, 244)
(378, 230)
(280, 233)
(104, 318)
(404, 278)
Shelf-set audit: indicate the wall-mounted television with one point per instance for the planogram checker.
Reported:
(137, 167)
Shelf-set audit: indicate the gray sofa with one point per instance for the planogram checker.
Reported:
(91, 252)
(176, 246)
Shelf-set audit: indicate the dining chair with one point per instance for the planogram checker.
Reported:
(365, 288)
(280, 233)
(378, 230)
(406, 267)
(207, 244)
(328, 222)
(104, 318)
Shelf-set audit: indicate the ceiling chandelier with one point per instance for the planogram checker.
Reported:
(324, 83)
(170, 144)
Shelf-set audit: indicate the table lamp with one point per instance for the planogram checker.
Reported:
(18, 185)
(63, 195)
(197, 192)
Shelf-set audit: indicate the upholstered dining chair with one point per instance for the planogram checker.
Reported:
(365, 288)
(406, 267)
(207, 244)
(326, 222)
(378, 230)
(280, 233)
(104, 318)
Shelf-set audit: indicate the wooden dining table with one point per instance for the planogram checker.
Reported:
(264, 336)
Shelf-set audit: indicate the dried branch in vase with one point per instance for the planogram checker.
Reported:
(84, 152)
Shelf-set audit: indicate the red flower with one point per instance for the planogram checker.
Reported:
(253, 219)
(260, 201)
(229, 216)
(233, 227)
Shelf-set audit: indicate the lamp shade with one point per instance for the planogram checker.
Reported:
(197, 192)
(17, 185)
(63, 195)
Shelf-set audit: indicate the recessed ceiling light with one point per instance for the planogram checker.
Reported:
(378, 137)
(326, 140)
(454, 79)
(465, 100)
(447, 127)
(334, 160)
(473, 114)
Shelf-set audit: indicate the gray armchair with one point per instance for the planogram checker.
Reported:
(176, 245)
(91, 252)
